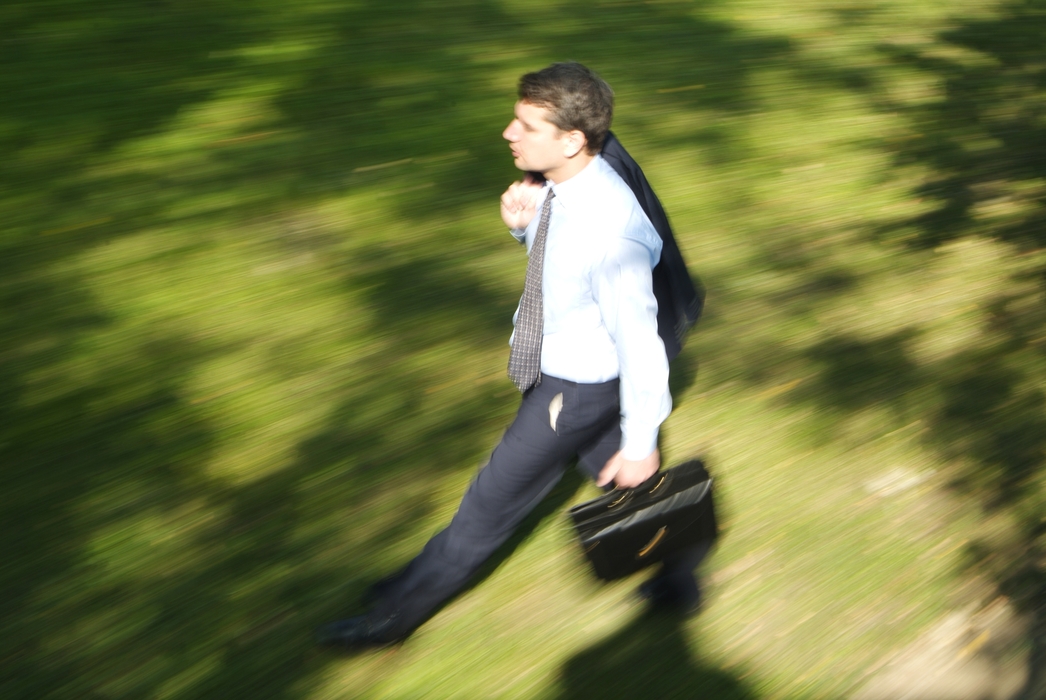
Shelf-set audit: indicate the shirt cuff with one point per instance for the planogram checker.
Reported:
(637, 444)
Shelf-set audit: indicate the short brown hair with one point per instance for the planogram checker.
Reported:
(576, 97)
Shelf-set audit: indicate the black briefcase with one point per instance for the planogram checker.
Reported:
(627, 529)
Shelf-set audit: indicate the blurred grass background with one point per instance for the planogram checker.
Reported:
(254, 303)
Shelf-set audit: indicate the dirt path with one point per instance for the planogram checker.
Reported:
(966, 656)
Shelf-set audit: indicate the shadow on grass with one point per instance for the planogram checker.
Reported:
(993, 423)
(992, 98)
(651, 657)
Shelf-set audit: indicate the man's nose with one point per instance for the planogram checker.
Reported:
(511, 132)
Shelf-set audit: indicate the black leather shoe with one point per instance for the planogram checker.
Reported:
(361, 632)
(377, 590)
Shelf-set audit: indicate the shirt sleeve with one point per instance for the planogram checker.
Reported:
(624, 293)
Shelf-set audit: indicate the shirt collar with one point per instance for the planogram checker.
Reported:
(576, 186)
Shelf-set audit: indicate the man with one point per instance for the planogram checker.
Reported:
(586, 354)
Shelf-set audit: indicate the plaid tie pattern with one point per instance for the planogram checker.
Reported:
(524, 362)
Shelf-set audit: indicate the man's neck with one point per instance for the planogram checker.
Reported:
(570, 168)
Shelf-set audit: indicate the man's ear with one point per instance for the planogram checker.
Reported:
(575, 143)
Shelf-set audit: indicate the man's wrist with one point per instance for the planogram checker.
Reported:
(635, 450)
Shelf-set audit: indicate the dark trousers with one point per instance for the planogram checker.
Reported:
(524, 467)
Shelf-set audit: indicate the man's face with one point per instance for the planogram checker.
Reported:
(537, 144)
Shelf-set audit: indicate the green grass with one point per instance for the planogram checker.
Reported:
(256, 295)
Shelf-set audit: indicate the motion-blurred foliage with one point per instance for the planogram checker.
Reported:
(255, 296)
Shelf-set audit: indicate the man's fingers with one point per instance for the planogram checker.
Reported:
(629, 473)
(629, 482)
(610, 470)
(519, 203)
(510, 197)
(517, 197)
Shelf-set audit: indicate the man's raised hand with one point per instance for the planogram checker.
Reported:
(519, 203)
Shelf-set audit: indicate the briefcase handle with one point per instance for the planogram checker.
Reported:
(651, 486)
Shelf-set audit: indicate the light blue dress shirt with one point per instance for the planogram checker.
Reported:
(599, 306)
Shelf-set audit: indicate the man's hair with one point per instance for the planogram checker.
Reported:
(576, 98)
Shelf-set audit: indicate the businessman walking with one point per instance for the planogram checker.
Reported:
(586, 354)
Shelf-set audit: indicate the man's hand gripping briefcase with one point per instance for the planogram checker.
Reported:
(626, 529)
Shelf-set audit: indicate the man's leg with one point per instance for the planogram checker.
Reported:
(524, 467)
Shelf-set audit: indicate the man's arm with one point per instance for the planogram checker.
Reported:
(623, 291)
